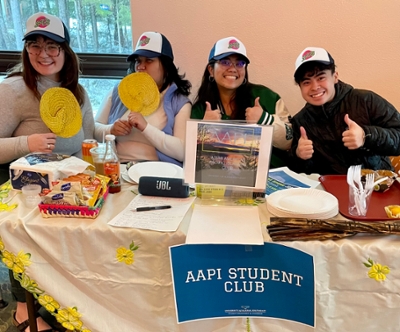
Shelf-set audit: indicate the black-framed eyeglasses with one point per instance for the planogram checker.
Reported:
(35, 48)
(227, 63)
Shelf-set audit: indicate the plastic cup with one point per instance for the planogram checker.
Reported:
(31, 196)
(98, 158)
(358, 203)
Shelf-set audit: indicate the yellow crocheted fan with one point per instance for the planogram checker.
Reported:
(60, 111)
(139, 93)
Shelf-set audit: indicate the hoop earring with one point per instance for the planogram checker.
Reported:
(211, 78)
(244, 81)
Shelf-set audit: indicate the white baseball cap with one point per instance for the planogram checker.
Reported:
(151, 45)
(47, 25)
(316, 54)
(227, 46)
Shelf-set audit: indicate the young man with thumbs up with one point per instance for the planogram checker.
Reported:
(339, 126)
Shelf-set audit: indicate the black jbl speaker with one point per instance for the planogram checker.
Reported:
(167, 187)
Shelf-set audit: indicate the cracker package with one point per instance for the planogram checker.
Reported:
(61, 198)
(69, 186)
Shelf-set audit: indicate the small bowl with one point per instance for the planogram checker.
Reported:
(31, 189)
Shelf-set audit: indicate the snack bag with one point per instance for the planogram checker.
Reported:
(61, 198)
(69, 186)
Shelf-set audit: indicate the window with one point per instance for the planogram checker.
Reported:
(100, 32)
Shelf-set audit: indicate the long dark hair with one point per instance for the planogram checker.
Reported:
(69, 73)
(171, 75)
(208, 91)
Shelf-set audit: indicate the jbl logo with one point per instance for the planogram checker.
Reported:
(163, 185)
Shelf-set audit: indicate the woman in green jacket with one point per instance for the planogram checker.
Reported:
(226, 94)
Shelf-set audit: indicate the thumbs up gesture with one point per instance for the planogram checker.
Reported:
(253, 114)
(354, 136)
(211, 114)
(305, 148)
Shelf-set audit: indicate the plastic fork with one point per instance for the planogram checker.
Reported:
(356, 190)
(368, 187)
(357, 177)
(373, 184)
(350, 177)
(369, 183)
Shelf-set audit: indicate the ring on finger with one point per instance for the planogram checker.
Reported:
(48, 146)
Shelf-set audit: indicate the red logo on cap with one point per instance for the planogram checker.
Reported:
(144, 41)
(42, 22)
(307, 55)
(234, 44)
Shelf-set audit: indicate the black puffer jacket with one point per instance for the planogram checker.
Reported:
(325, 125)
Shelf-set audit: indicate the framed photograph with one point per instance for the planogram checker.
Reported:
(227, 153)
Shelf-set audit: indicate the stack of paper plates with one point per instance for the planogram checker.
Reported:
(303, 203)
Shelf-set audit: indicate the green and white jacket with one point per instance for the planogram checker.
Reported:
(275, 114)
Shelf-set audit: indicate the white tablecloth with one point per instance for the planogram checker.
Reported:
(74, 261)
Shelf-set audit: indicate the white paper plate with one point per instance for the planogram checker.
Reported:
(126, 178)
(155, 168)
(303, 201)
(124, 174)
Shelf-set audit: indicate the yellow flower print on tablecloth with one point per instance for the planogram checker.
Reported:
(25, 259)
(5, 190)
(29, 284)
(377, 271)
(16, 263)
(69, 318)
(125, 255)
(48, 302)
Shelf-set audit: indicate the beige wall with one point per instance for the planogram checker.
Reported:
(363, 36)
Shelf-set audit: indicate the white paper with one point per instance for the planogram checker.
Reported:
(73, 165)
(283, 178)
(167, 220)
(225, 224)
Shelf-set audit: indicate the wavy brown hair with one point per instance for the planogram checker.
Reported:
(69, 73)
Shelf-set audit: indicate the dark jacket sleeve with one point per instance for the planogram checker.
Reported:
(382, 136)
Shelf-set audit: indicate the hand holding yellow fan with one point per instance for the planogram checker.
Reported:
(60, 111)
(139, 93)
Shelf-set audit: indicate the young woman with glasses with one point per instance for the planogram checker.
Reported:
(226, 94)
(47, 61)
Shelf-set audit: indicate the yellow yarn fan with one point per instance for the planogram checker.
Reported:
(139, 93)
(60, 111)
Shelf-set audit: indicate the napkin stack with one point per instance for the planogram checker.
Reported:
(44, 169)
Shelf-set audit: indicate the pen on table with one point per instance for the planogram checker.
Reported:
(151, 208)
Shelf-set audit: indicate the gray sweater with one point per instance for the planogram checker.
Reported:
(20, 117)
